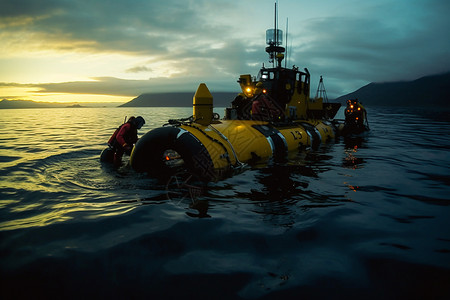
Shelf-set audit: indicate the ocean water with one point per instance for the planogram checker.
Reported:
(362, 218)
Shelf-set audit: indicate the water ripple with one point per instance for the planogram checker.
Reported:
(343, 218)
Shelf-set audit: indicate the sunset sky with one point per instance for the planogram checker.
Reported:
(114, 50)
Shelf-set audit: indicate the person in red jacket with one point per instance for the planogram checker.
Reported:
(125, 137)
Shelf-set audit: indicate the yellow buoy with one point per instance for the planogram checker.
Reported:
(203, 105)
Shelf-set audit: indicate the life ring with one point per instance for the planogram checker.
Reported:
(156, 151)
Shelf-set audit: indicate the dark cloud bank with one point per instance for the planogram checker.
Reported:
(380, 46)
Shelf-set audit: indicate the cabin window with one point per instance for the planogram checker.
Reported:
(300, 77)
(263, 75)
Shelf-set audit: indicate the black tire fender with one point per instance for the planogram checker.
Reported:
(148, 153)
(107, 155)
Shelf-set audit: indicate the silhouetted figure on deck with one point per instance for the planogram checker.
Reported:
(243, 106)
(263, 108)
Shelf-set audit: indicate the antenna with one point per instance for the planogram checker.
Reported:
(287, 52)
(274, 40)
(276, 14)
(275, 22)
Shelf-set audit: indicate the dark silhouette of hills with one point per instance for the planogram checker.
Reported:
(428, 91)
(431, 90)
(11, 104)
(220, 99)
(28, 104)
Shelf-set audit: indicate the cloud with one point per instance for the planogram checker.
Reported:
(121, 87)
(138, 69)
(391, 42)
(98, 86)
(153, 27)
(182, 43)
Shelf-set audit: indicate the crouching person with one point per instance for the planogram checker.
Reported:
(124, 138)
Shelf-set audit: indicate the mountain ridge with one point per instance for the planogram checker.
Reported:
(20, 104)
(432, 90)
(424, 91)
(178, 99)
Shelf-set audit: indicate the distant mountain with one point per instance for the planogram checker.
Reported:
(75, 106)
(426, 91)
(220, 99)
(430, 90)
(27, 104)
(5, 104)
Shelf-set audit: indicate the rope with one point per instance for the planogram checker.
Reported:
(214, 140)
(188, 122)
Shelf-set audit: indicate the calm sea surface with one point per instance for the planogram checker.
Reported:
(366, 218)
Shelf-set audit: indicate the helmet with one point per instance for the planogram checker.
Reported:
(258, 88)
(139, 122)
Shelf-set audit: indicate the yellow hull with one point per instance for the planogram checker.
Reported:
(245, 140)
(210, 150)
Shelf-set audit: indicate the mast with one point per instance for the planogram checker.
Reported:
(275, 22)
(274, 40)
(321, 92)
(286, 59)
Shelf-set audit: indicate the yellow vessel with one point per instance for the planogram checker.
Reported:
(274, 115)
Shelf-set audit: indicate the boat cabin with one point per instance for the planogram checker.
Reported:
(287, 89)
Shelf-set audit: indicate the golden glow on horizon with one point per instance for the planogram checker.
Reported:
(18, 93)
(51, 63)
(53, 67)
(79, 98)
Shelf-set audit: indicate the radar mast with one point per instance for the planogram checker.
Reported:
(274, 40)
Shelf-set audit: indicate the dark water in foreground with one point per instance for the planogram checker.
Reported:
(366, 218)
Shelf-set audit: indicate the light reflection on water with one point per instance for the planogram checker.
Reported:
(331, 213)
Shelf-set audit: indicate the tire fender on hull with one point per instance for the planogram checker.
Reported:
(107, 155)
(148, 153)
